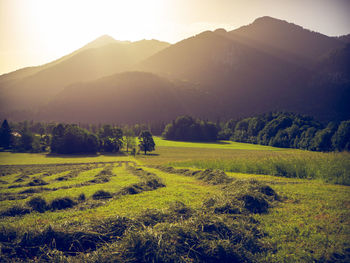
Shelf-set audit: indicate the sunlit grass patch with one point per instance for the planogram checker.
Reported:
(215, 145)
(331, 167)
(309, 223)
(313, 222)
(188, 190)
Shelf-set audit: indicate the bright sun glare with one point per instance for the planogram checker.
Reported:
(84, 20)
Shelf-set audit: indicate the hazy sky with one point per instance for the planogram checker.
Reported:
(34, 32)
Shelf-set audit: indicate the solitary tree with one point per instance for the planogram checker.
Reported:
(146, 143)
(130, 142)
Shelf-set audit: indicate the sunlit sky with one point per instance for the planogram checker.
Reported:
(33, 32)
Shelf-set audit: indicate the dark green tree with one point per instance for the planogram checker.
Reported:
(130, 141)
(111, 138)
(27, 142)
(323, 138)
(5, 135)
(70, 139)
(57, 138)
(306, 137)
(186, 128)
(146, 142)
(341, 138)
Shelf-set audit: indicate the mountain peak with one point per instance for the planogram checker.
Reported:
(105, 38)
(265, 19)
(101, 41)
(220, 31)
(287, 37)
(275, 24)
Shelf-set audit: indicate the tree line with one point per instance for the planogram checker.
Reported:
(288, 130)
(72, 139)
(279, 129)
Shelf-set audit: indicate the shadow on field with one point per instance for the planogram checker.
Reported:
(200, 142)
(55, 155)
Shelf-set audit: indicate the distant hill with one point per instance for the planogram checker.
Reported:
(101, 57)
(128, 98)
(248, 80)
(24, 72)
(269, 65)
(288, 37)
(266, 66)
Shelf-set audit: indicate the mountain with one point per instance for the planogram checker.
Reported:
(102, 57)
(269, 65)
(329, 87)
(128, 97)
(24, 72)
(288, 37)
(266, 66)
(249, 80)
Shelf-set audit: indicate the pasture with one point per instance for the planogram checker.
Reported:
(263, 204)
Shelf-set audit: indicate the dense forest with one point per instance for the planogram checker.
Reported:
(278, 129)
(288, 130)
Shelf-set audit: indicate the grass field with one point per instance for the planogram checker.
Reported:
(149, 212)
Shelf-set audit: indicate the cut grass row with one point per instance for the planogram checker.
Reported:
(179, 188)
(168, 232)
(310, 224)
(312, 221)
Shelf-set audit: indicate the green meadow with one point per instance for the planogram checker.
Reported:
(179, 214)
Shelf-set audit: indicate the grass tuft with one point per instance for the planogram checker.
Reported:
(38, 204)
(100, 194)
(62, 203)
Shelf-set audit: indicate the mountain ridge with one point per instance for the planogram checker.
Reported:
(267, 65)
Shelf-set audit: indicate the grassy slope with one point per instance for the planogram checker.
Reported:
(312, 221)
